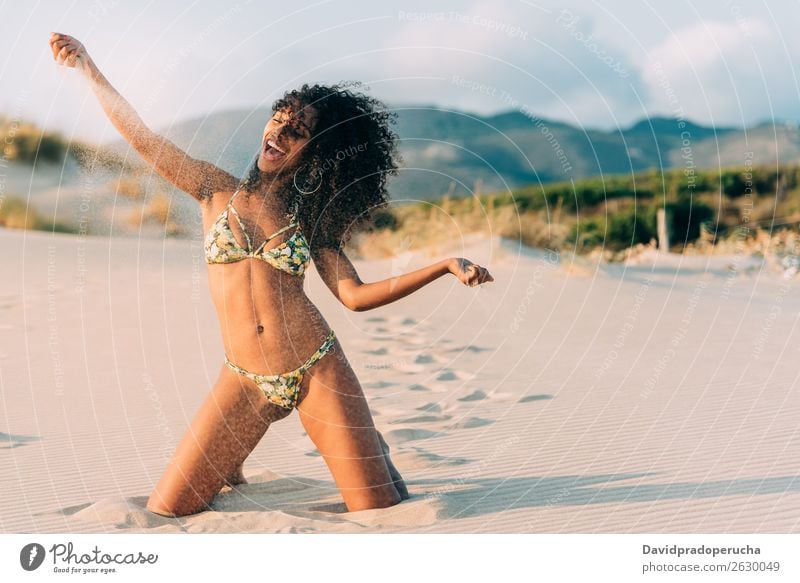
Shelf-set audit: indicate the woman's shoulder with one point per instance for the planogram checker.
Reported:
(223, 194)
(217, 200)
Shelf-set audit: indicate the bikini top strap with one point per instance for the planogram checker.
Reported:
(239, 220)
(279, 231)
(230, 201)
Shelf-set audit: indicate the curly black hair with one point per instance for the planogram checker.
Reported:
(341, 180)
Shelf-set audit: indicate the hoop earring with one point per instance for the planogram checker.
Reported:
(308, 184)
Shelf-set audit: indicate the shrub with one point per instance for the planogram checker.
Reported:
(686, 215)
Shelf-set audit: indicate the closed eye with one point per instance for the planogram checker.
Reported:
(294, 123)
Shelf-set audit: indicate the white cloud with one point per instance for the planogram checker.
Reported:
(713, 57)
(725, 72)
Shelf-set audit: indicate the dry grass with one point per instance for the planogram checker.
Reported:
(755, 242)
(433, 226)
(15, 213)
(129, 187)
(156, 212)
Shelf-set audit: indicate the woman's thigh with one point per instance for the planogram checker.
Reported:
(229, 424)
(336, 417)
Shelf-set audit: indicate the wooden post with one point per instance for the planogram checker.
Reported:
(663, 236)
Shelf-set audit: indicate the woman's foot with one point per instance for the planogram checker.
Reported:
(396, 477)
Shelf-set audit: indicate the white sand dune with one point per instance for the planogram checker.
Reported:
(657, 396)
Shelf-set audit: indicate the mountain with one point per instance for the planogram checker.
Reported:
(509, 149)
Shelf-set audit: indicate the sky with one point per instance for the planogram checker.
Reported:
(591, 64)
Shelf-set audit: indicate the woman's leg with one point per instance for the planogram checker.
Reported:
(336, 417)
(230, 423)
(399, 483)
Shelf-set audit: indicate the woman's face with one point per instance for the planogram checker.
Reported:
(285, 135)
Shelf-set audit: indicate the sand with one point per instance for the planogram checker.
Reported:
(656, 396)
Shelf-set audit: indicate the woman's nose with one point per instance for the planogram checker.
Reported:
(279, 131)
(276, 133)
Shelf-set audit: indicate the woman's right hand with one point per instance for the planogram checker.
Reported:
(69, 51)
(469, 273)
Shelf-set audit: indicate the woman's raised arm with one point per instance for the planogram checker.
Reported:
(341, 277)
(198, 178)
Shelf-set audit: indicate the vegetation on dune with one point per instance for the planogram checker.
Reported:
(612, 213)
(155, 212)
(24, 142)
(15, 213)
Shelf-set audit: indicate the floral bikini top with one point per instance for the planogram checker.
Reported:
(291, 256)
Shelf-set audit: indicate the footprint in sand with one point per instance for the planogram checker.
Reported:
(532, 398)
(469, 348)
(378, 385)
(476, 395)
(440, 407)
(402, 321)
(377, 351)
(406, 434)
(497, 395)
(8, 441)
(374, 319)
(479, 395)
(470, 423)
(418, 387)
(409, 368)
(455, 375)
(427, 358)
(415, 340)
(417, 458)
(422, 419)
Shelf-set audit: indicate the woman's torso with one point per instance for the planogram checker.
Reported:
(268, 324)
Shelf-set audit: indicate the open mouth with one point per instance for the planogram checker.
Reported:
(273, 151)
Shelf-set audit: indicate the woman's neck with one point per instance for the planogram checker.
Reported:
(273, 196)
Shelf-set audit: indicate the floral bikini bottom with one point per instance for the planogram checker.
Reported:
(284, 389)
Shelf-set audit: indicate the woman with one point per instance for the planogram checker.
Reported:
(323, 163)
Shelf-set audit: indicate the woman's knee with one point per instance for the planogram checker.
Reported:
(159, 509)
(172, 500)
(157, 505)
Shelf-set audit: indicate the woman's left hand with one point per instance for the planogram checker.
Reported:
(469, 273)
(69, 51)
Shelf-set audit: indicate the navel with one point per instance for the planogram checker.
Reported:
(260, 329)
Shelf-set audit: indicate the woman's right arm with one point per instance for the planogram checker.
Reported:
(198, 178)
(338, 273)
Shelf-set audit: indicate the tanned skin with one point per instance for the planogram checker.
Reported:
(256, 336)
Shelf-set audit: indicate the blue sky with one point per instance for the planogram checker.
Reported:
(591, 64)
